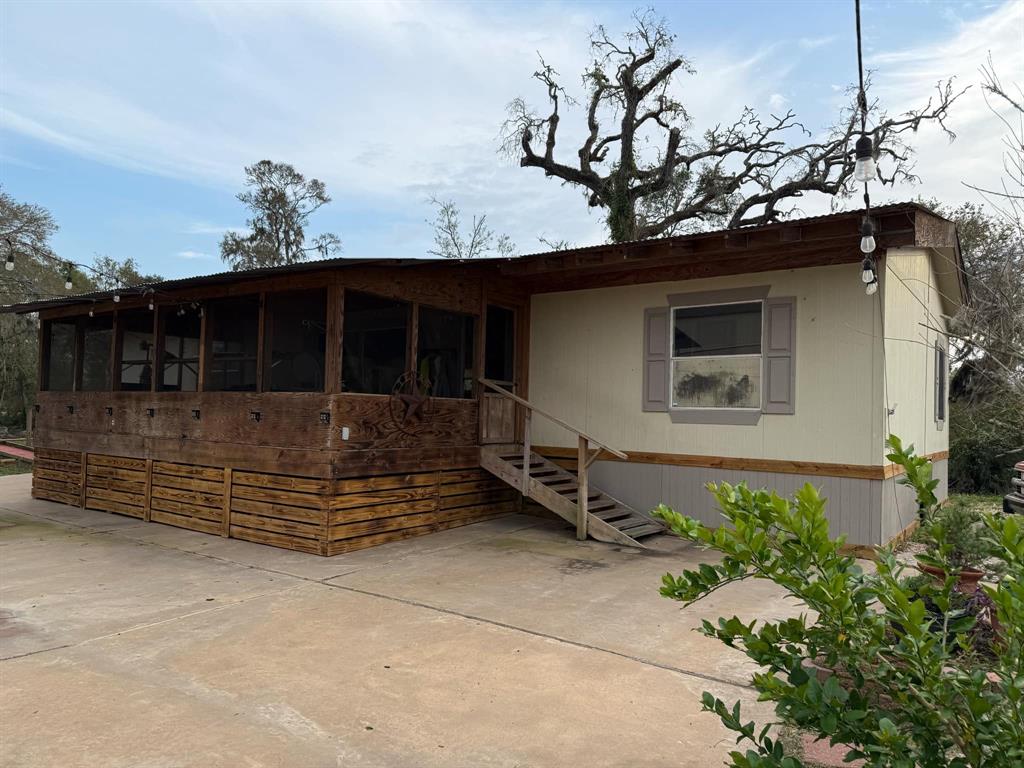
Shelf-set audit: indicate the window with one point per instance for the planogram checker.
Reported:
(941, 374)
(499, 347)
(444, 357)
(97, 333)
(375, 343)
(716, 356)
(60, 367)
(136, 364)
(179, 358)
(234, 344)
(295, 341)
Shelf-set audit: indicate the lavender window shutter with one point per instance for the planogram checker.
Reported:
(779, 350)
(656, 359)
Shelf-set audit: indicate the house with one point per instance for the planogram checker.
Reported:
(339, 404)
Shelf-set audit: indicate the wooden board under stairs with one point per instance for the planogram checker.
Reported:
(555, 488)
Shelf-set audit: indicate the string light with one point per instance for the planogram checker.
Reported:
(68, 285)
(117, 298)
(9, 264)
(865, 169)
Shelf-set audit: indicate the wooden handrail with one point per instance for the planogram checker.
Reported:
(530, 406)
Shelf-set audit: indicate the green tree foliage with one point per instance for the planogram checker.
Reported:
(869, 664)
(109, 274)
(26, 231)
(280, 201)
(986, 412)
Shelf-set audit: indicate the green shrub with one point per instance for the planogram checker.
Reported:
(866, 664)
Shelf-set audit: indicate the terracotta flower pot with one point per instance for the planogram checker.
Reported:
(968, 578)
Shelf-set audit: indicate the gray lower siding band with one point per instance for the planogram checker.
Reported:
(863, 510)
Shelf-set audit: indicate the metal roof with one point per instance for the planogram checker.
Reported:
(345, 262)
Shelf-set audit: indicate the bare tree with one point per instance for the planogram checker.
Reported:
(280, 200)
(640, 163)
(450, 242)
(990, 330)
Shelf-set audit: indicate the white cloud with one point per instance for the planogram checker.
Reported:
(193, 255)
(906, 78)
(388, 102)
(205, 228)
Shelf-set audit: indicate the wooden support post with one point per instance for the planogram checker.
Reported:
(526, 453)
(582, 490)
(225, 523)
(148, 499)
(85, 479)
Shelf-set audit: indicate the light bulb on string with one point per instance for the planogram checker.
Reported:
(867, 236)
(871, 288)
(117, 298)
(865, 169)
(92, 312)
(867, 271)
(9, 263)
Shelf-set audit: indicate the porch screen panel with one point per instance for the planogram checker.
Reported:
(234, 344)
(136, 363)
(500, 345)
(60, 364)
(444, 362)
(97, 334)
(295, 341)
(375, 343)
(180, 353)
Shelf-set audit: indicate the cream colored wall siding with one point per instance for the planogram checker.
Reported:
(586, 367)
(912, 303)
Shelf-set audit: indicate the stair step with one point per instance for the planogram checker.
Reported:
(632, 522)
(613, 514)
(644, 530)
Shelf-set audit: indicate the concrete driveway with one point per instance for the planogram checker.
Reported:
(505, 643)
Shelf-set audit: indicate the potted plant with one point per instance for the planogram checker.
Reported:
(956, 536)
(958, 544)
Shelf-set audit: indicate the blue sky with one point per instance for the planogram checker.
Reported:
(132, 122)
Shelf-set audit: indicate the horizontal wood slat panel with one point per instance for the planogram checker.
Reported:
(72, 457)
(363, 542)
(385, 482)
(99, 460)
(306, 514)
(289, 498)
(110, 505)
(71, 499)
(215, 500)
(185, 521)
(184, 509)
(282, 511)
(281, 482)
(187, 470)
(305, 530)
(285, 541)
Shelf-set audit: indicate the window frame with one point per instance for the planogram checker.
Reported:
(411, 335)
(711, 410)
(265, 351)
(941, 358)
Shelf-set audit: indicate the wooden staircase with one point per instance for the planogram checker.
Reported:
(568, 495)
(557, 489)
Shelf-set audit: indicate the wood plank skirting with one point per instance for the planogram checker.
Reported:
(307, 514)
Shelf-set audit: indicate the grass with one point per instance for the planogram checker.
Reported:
(15, 467)
(982, 502)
